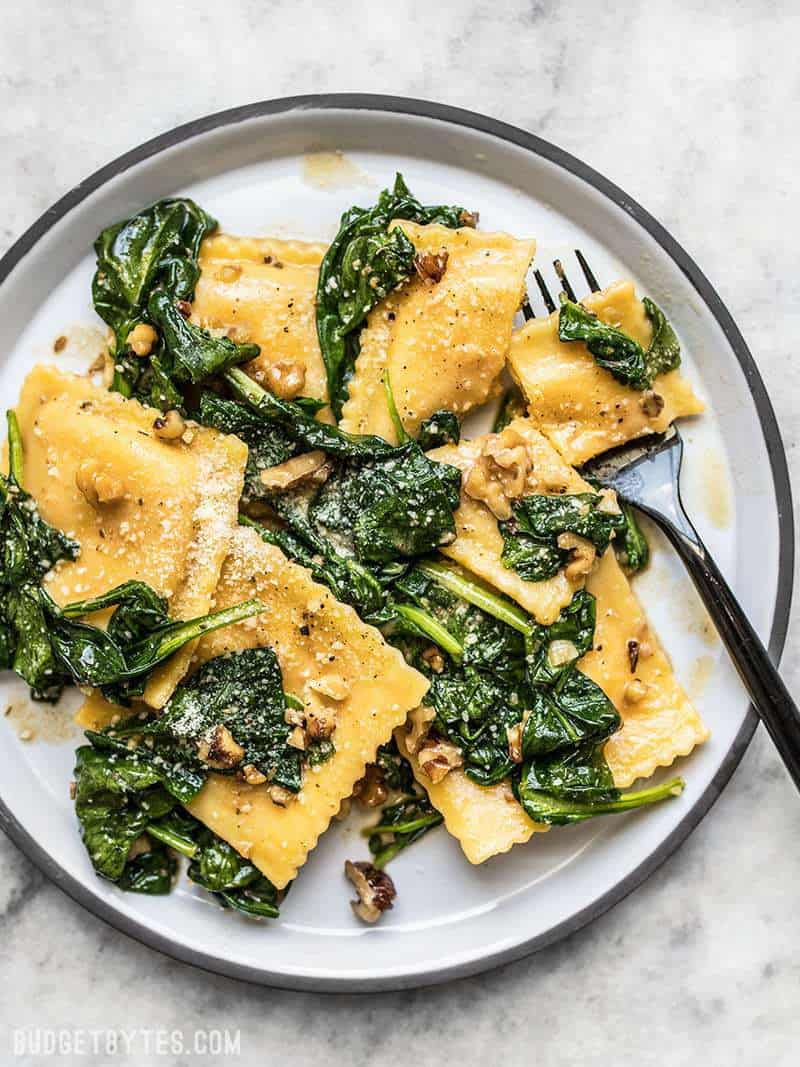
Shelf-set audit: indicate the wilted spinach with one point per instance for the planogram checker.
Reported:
(440, 428)
(29, 548)
(364, 263)
(512, 406)
(530, 536)
(400, 824)
(241, 692)
(631, 546)
(578, 785)
(119, 658)
(616, 351)
(122, 795)
(147, 270)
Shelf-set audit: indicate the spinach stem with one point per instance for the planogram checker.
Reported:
(437, 633)
(394, 415)
(194, 628)
(169, 837)
(15, 465)
(404, 827)
(471, 591)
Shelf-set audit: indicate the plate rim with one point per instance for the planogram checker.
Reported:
(419, 108)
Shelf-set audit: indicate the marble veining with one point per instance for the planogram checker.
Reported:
(692, 107)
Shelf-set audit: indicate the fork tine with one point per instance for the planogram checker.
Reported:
(591, 281)
(527, 310)
(549, 303)
(562, 277)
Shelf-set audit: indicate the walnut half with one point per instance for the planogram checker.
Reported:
(500, 473)
(376, 891)
(437, 758)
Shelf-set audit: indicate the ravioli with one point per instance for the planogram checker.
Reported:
(444, 344)
(485, 820)
(163, 512)
(479, 543)
(657, 729)
(663, 724)
(579, 405)
(323, 648)
(262, 290)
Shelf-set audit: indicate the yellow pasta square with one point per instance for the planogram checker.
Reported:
(444, 344)
(162, 512)
(579, 405)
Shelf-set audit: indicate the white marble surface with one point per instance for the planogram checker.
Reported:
(693, 108)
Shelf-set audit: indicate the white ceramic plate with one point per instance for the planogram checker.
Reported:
(248, 168)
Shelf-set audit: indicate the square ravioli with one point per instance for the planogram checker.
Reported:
(442, 343)
(479, 543)
(262, 290)
(660, 725)
(162, 512)
(578, 404)
(336, 665)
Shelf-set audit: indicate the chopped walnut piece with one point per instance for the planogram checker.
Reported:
(469, 218)
(296, 470)
(635, 691)
(430, 266)
(297, 738)
(652, 403)
(184, 307)
(583, 555)
(169, 426)
(253, 776)
(434, 658)
(418, 724)
(320, 727)
(98, 486)
(280, 796)
(219, 749)
(500, 473)
(142, 339)
(437, 758)
(285, 379)
(376, 891)
(609, 503)
(514, 736)
(294, 717)
(371, 790)
(60, 343)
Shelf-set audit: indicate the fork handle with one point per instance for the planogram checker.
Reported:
(771, 699)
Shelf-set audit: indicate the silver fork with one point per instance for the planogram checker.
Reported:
(646, 474)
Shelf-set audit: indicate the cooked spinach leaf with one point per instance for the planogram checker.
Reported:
(440, 428)
(267, 443)
(530, 536)
(364, 263)
(156, 249)
(399, 825)
(29, 548)
(616, 351)
(300, 425)
(235, 882)
(572, 711)
(125, 796)
(664, 353)
(111, 659)
(230, 714)
(577, 786)
(117, 795)
(512, 406)
(552, 650)
(631, 546)
(188, 353)
(395, 505)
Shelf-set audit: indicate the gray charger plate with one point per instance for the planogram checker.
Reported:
(248, 167)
